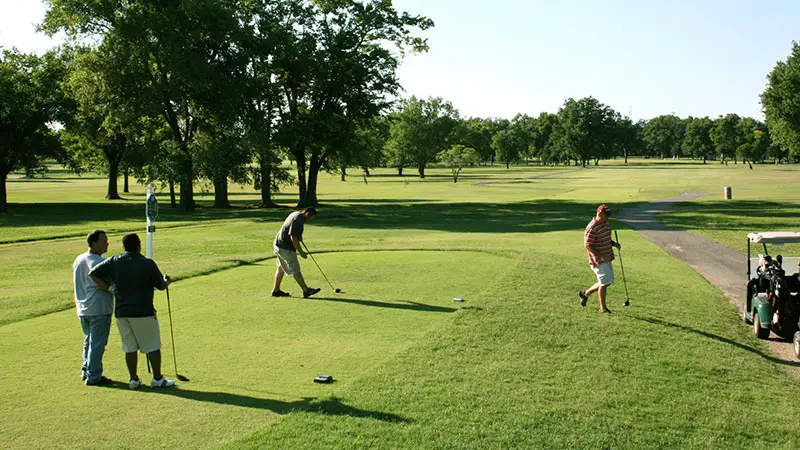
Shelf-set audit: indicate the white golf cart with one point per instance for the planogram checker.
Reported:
(773, 283)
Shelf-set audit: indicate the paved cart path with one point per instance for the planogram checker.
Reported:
(723, 267)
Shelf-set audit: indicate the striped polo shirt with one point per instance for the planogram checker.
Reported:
(598, 235)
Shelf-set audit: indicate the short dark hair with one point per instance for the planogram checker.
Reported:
(131, 242)
(310, 210)
(94, 236)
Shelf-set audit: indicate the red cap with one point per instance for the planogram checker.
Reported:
(604, 209)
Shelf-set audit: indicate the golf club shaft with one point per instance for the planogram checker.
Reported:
(172, 335)
(318, 267)
(622, 267)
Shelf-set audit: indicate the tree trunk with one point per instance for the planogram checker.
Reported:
(125, 186)
(343, 172)
(266, 185)
(301, 179)
(221, 191)
(186, 194)
(399, 171)
(113, 174)
(172, 194)
(421, 170)
(310, 197)
(3, 198)
(507, 164)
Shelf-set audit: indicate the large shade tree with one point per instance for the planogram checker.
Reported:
(781, 101)
(29, 101)
(175, 60)
(336, 71)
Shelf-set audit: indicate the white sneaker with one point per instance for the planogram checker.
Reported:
(134, 384)
(162, 383)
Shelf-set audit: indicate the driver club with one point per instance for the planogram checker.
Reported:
(624, 282)
(336, 290)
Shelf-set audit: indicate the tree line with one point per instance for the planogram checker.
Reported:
(177, 91)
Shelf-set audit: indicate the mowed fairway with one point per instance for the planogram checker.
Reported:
(517, 365)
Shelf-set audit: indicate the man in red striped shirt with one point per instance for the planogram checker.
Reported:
(598, 243)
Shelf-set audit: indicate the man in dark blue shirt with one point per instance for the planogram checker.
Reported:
(134, 278)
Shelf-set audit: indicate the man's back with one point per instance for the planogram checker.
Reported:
(134, 277)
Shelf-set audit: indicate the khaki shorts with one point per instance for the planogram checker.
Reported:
(139, 333)
(287, 260)
(604, 273)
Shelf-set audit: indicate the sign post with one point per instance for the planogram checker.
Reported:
(151, 211)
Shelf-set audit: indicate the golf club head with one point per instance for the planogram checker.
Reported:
(181, 377)
(337, 290)
(627, 302)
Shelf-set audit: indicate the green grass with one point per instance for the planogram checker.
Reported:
(517, 365)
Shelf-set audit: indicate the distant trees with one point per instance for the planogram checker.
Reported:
(31, 101)
(270, 93)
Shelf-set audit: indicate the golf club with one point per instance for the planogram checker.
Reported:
(624, 282)
(336, 290)
(172, 336)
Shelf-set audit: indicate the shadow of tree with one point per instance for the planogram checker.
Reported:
(333, 406)
(725, 340)
(534, 216)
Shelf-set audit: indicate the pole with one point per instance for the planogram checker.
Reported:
(151, 212)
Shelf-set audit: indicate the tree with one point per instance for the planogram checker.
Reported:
(542, 144)
(457, 157)
(177, 60)
(101, 131)
(478, 135)
(663, 136)
(508, 145)
(754, 144)
(781, 101)
(727, 136)
(337, 71)
(585, 130)
(627, 137)
(30, 101)
(697, 139)
(420, 130)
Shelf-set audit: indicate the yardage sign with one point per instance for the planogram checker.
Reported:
(152, 208)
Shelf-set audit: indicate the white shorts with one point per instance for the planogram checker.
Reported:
(139, 333)
(604, 273)
(287, 260)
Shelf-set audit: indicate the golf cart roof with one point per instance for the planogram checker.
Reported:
(775, 237)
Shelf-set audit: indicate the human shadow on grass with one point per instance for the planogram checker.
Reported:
(332, 406)
(715, 337)
(407, 305)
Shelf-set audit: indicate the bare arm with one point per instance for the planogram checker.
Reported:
(296, 244)
(100, 282)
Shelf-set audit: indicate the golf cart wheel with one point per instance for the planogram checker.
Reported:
(796, 344)
(761, 333)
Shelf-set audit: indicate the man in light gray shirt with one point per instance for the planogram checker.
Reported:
(94, 306)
